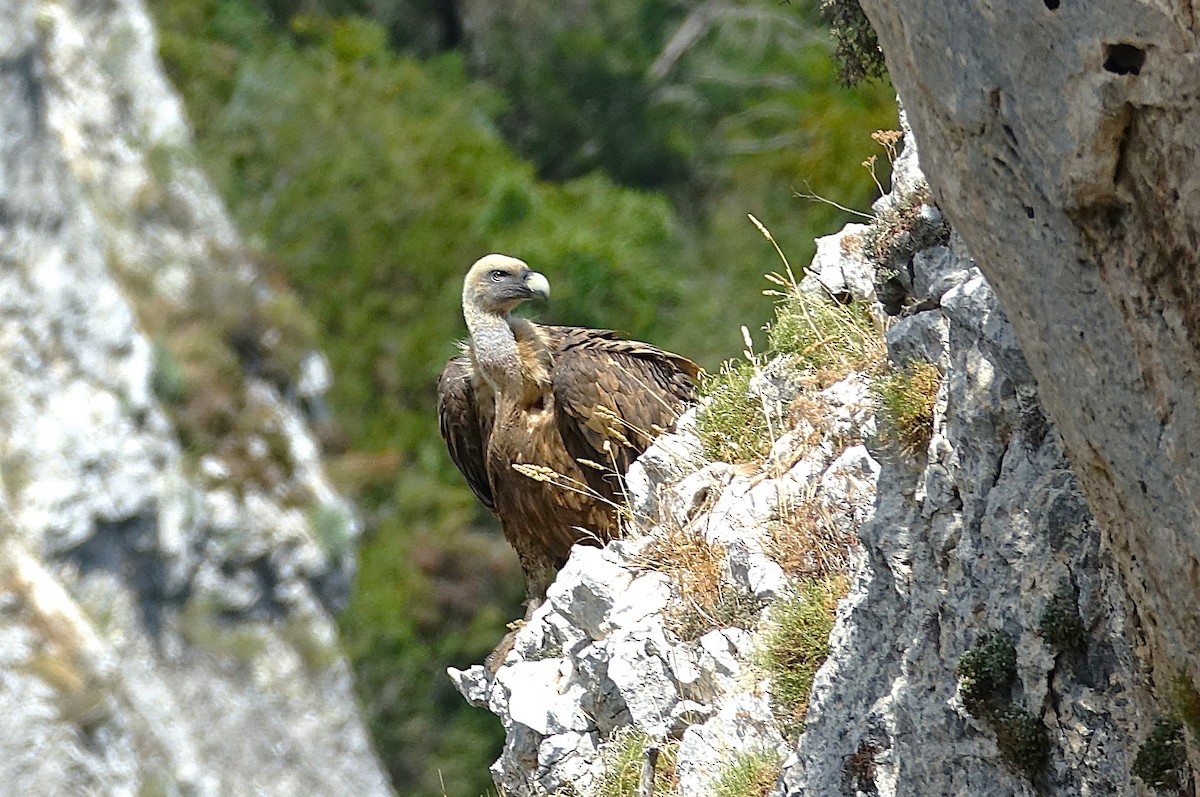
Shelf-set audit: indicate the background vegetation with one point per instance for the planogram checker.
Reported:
(370, 150)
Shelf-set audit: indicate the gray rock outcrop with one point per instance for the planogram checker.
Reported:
(1059, 138)
(983, 533)
(164, 623)
(605, 655)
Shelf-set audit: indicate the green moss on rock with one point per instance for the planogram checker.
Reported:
(1161, 761)
(1062, 627)
(986, 673)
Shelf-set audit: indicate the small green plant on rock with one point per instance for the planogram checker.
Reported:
(1161, 761)
(986, 673)
(317, 650)
(731, 425)
(749, 774)
(166, 377)
(625, 756)
(1022, 740)
(1185, 703)
(1062, 627)
(822, 340)
(905, 228)
(906, 398)
(796, 645)
(825, 338)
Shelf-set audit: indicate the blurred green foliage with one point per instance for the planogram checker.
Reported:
(857, 46)
(370, 163)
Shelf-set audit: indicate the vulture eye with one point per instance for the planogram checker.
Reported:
(498, 275)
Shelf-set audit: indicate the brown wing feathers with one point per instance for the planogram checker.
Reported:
(466, 425)
(606, 390)
(613, 397)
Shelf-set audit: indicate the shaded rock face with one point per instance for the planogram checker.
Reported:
(163, 627)
(984, 533)
(1059, 138)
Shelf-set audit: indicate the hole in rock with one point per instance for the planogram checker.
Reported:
(1123, 59)
(1051, 4)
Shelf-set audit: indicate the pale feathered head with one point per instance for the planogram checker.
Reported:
(498, 283)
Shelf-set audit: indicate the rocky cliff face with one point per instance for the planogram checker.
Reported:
(987, 645)
(618, 647)
(990, 647)
(169, 543)
(1059, 138)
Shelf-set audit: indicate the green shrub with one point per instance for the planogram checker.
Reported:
(1022, 740)
(857, 46)
(749, 774)
(986, 673)
(1161, 760)
(796, 644)
(902, 229)
(905, 400)
(1062, 627)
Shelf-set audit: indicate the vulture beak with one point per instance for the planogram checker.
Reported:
(537, 285)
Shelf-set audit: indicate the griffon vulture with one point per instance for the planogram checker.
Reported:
(570, 407)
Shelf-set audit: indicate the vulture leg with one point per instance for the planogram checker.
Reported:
(539, 574)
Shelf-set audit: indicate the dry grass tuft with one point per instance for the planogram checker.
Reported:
(705, 601)
(807, 542)
(906, 399)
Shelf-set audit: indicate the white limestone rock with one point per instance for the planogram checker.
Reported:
(544, 696)
(977, 534)
(743, 727)
(840, 268)
(197, 652)
(598, 655)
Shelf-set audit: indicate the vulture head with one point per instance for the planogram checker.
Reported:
(498, 283)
